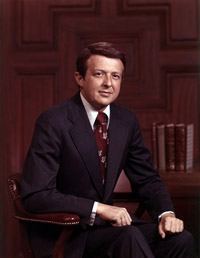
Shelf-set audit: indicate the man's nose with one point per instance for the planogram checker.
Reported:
(108, 81)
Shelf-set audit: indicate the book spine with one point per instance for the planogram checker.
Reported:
(189, 146)
(161, 147)
(169, 147)
(154, 144)
(180, 147)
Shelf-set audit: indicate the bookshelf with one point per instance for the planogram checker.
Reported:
(176, 181)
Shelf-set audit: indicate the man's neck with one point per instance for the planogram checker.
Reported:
(92, 112)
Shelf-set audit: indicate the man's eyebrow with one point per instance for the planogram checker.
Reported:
(101, 70)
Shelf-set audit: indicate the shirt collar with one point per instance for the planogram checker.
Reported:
(92, 113)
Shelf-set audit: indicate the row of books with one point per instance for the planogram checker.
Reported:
(172, 146)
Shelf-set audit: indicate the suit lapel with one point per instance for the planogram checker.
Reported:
(118, 132)
(83, 138)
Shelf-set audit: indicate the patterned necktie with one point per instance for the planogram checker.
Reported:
(101, 137)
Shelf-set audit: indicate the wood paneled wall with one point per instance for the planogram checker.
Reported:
(40, 40)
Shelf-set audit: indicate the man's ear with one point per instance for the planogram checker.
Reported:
(79, 78)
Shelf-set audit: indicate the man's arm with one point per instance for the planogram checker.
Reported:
(39, 180)
(147, 183)
(144, 179)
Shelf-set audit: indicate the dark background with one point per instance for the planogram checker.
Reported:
(40, 40)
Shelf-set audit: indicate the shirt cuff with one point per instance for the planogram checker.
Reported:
(159, 217)
(93, 214)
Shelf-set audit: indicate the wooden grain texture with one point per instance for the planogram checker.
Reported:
(40, 42)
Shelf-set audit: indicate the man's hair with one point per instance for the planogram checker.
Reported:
(99, 48)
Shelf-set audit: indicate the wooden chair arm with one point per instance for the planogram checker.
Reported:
(65, 219)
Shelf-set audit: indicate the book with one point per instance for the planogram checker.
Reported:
(154, 150)
(161, 146)
(170, 147)
(184, 144)
(189, 146)
(180, 147)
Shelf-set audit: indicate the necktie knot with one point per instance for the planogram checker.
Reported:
(101, 118)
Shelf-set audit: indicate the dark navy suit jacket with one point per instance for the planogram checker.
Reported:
(62, 170)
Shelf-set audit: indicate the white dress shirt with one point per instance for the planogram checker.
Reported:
(92, 115)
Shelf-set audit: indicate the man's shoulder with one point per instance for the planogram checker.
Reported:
(122, 113)
(59, 111)
(55, 110)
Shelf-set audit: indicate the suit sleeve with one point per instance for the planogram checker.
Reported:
(144, 178)
(38, 182)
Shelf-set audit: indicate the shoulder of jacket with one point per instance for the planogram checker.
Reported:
(123, 113)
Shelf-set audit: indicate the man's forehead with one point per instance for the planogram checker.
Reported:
(100, 61)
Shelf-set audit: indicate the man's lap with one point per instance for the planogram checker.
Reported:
(109, 241)
(101, 237)
(174, 245)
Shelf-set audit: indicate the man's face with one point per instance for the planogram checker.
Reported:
(101, 85)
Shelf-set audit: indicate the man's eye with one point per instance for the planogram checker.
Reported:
(99, 74)
(116, 76)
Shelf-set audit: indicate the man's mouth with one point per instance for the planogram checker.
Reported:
(105, 93)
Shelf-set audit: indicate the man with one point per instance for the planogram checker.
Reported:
(66, 170)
